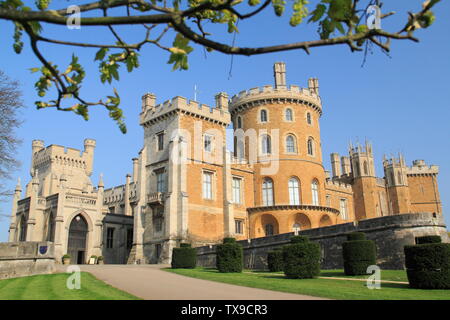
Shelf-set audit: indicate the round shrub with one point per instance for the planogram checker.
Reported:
(229, 256)
(428, 265)
(299, 239)
(356, 236)
(184, 257)
(358, 256)
(301, 260)
(275, 260)
(428, 239)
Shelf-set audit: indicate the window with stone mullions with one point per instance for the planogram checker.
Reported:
(160, 182)
(208, 143)
(236, 190)
(207, 185)
(160, 141)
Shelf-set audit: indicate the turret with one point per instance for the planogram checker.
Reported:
(313, 85)
(89, 147)
(335, 165)
(222, 101)
(279, 72)
(362, 161)
(135, 169)
(36, 146)
(346, 166)
(148, 101)
(395, 171)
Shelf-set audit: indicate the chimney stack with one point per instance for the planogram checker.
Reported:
(279, 71)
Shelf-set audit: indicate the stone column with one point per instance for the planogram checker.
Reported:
(127, 196)
(228, 215)
(31, 222)
(13, 226)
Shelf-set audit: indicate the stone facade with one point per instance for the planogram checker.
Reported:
(186, 186)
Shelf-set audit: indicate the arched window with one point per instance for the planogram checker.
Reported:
(23, 229)
(267, 192)
(288, 115)
(311, 146)
(366, 168)
(294, 191)
(308, 118)
(263, 115)
(315, 192)
(51, 227)
(291, 145)
(239, 122)
(266, 145)
(268, 228)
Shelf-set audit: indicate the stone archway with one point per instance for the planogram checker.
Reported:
(77, 242)
(325, 221)
(302, 221)
(270, 225)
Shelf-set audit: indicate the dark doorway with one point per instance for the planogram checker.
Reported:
(77, 240)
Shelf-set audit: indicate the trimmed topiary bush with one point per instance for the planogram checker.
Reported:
(184, 257)
(275, 260)
(229, 256)
(428, 265)
(428, 239)
(358, 254)
(301, 259)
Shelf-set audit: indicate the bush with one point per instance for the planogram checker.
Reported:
(301, 259)
(66, 256)
(428, 265)
(229, 256)
(358, 256)
(299, 239)
(275, 260)
(428, 239)
(184, 257)
(354, 236)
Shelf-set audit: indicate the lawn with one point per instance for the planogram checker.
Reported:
(327, 288)
(53, 287)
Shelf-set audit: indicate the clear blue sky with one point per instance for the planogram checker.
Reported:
(400, 103)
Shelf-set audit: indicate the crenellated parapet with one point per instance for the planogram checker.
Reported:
(281, 94)
(155, 113)
(419, 167)
(338, 185)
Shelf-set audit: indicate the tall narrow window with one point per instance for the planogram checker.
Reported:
(308, 118)
(291, 146)
(294, 192)
(239, 122)
(399, 176)
(343, 209)
(267, 192)
(109, 238)
(268, 229)
(160, 141)
(129, 238)
(23, 229)
(207, 141)
(315, 192)
(207, 185)
(311, 146)
(266, 145)
(328, 200)
(161, 182)
(263, 115)
(288, 114)
(236, 186)
(366, 168)
(239, 226)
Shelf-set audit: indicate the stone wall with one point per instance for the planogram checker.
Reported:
(19, 259)
(390, 233)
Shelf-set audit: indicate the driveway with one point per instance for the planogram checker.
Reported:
(151, 283)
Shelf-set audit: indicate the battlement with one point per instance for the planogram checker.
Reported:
(268, 92)
(419, 167)
(360, 150)
(336, 184)
(117, 193)
(218, 114)
(394, 162)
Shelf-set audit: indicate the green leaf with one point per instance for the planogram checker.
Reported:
(100, 55)
(317, 13)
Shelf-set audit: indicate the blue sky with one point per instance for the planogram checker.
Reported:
(400, 103)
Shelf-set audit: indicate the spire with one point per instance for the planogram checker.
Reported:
(18, 186)
(100, 181)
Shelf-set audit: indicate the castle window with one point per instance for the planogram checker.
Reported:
(294, 192)
(267, 192)
(399, 176)
(266, 145)
(238, 148)
(268, 228)
(288, 115)
(315, 192)
(129, 238)
(239, 122)
(311, 147)
(207, 142)
(51, 227)
(236, 186)
(308, 118)
(109, 238)
(207, 185)
(291, 146)
(23, 229)
(263, 115)
(160, 141)
(239, 226)
(158, 218)
(343, 209)
(366, 168)
(161, 182)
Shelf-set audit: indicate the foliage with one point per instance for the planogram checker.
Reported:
(358, 256)
(428, 265)
(184, 257)
(229, 256)
(173, 27)
(275, 260)
(66, 256)
(301, 259)
(356, 236)
(299, 239)
(428, 239)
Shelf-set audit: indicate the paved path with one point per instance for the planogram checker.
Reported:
(151, 283)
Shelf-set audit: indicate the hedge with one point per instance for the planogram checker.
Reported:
(358, 256)
(301, 259)
(428, 265)
(229, 256)
(354, 236)
(299, 239)
(184, 257)
(275, 260)
(428, 239)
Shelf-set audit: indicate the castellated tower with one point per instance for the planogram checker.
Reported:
(364, 182)
(395, 171)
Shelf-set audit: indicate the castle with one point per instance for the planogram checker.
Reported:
(187, 187)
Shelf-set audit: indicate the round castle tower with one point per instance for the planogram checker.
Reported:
(277, 129)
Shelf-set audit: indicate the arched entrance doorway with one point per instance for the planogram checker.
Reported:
(77, 240)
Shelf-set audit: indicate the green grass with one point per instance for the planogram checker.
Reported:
(53, 287)
(327, 288)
